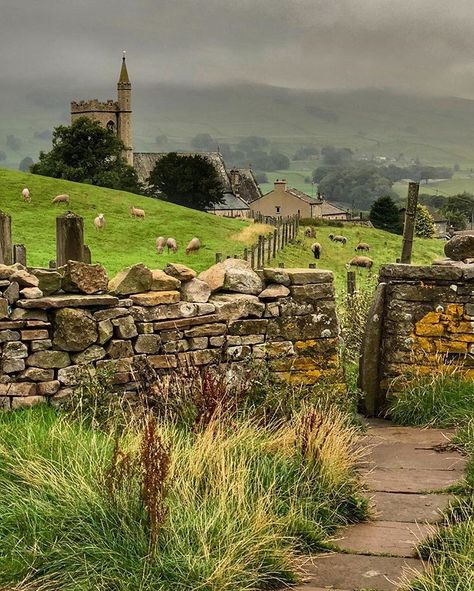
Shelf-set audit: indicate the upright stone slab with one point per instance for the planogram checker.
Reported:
(69, 238)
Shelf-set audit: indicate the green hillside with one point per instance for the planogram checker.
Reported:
(124, 240)
(385, 248)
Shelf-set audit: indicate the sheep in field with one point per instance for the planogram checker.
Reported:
(136, 212)
(160, 243)
(193, 246)
(26, 195)
(360, 261)
(310, 232)
(172, 244)
(61, 199)
(99, 222)
(337, 238)
(316, 250)
(362, 246)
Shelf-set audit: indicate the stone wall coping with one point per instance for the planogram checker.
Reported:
(69, 301)
(439, 272)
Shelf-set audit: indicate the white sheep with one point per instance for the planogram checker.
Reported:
(160, 244)
(136, 212)
(99, 222)
(61, 199)
(193, 246)
(172, 244)
(26, 195)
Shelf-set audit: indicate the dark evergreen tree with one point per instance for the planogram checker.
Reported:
(86, 152)
(26, 164)
(189, 180)
(385, 215)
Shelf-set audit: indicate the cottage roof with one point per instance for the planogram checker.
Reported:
(330, 209)
(230, 201)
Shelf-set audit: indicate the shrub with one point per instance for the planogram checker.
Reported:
(424, 225)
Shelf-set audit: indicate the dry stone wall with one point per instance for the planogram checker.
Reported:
(57, 325)
(421, 321)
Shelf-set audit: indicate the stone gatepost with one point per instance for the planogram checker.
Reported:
(69, 238)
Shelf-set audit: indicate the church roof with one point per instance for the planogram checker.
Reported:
(124, 79)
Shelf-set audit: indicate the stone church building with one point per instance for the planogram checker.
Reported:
(240, 185)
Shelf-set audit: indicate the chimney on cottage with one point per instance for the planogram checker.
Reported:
(234, 177)
(280, 185)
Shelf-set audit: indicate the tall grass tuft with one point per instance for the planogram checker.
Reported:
(166, 506)
(443, 399)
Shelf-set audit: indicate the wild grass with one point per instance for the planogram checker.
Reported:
(443, 399)
(249, 234)
(234, 500)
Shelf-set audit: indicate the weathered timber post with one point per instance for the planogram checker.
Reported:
(6, 248)
(269, 250)
(275, 241)
(218, 257)
(252, 257)
(281, 265)
(409, 226)
(351, 282)
(87, 257)
(246, 254)
(19, 254)
(69, 238)
(312, 265)
(259, 252)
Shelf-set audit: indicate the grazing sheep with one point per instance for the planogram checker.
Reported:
(160, 243)
(316, 249)
(337, 238)
(361, 262)
(26, 195)
(310, 232)
(136, 212)
(172, 244)
(193, 246)
(61, 199)
(331, 237)
(99, 222)
(362, 246)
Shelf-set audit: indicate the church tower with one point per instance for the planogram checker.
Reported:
(124, 112)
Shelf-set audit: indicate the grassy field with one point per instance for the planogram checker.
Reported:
(385, 248)
(125, 240)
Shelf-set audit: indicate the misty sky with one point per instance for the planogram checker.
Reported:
(410, 45)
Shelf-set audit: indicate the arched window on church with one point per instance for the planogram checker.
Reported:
(111, 126)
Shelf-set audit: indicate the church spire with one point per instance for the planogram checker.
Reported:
(124, 79)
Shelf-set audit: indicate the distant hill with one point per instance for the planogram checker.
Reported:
(124, 240)
(373, 122)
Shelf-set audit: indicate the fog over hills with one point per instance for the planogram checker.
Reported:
(372, 122)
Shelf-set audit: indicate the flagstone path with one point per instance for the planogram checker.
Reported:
(405, 471)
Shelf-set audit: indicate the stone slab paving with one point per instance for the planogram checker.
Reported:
(403, 466)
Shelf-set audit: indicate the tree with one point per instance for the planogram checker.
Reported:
(384, 214)
(86, 152)
(424, 224)
(191, 181)
(279, 161)
(203, 141)
(462, 204)
(335, 156)
(26, 164)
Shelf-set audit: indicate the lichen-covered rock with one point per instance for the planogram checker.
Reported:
(161, 281)
(12, 293)
(155, 298)
(49, 281)
(274, 291)
(74, 329)
(31, 293)
(15, 350)
(124, 327)
(92, 353)
(24, 279)
(6, 271)
(460, 248)
(3, 308)
(148, 343)
(236, 305)
(49, 359)
(195, 290)
(180, 272)
(276, 275)
(105, 330)
(232, 275)
(120, 349)
(134, 279)
(84, 278)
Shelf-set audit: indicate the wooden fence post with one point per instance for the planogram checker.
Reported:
(312, 265)
(69, 238)
(281, 265)
(259, 252)
(218, 257)
(6, 248)
(275, 240)
(351, 282)
(19, 254)
(246, 254)
(409, 226)
(269, 250)
(252, 257)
